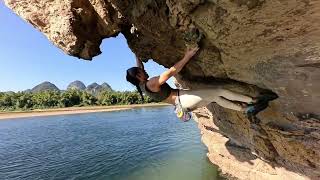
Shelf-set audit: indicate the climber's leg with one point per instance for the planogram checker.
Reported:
(191, 99)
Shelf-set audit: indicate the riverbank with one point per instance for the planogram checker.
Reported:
(73, 110)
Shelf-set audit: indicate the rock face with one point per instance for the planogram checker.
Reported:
(76, 26)
(77, 85)
(45, 86)
(246, 45)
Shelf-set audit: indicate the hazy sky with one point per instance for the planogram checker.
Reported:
(28, 58)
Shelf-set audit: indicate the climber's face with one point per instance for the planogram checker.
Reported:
(142, 75)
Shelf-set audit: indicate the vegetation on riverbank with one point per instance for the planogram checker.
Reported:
(11, 101)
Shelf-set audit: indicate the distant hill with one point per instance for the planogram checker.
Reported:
(106, 86)
(45, 86)
(95, 88)
(27, 91)
(77, 85)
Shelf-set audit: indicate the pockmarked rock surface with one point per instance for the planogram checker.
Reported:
(246, 45)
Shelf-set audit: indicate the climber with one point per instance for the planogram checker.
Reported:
(188, 100)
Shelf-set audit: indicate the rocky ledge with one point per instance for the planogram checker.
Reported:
(246, 45)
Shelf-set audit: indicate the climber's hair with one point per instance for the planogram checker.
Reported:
(132, 78)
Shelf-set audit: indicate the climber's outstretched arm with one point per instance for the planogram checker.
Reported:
(139, 63)
(156, 82)
(175, 69)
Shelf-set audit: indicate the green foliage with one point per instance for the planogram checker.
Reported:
(54, 99)
(24, 101)
(45, 99)
(87, 99)
(6, 101)
(70, 98)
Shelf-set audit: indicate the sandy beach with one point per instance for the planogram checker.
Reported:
(73, 110)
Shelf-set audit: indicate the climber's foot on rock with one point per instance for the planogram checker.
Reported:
(254, 109)
(266, 97)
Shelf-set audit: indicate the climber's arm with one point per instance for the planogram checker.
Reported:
(175, 69)
(139, 63)
(155, 82)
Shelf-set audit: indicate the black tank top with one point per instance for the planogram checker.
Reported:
(164, 93)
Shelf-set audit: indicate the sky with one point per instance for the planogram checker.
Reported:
(28, 58)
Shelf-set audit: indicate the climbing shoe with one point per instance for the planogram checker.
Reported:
(266, 97)
(253, 110)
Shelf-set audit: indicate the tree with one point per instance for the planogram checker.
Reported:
(24, 101)
(46, 99)
(88, 99)
(70, 98)
(6, 100)
(108, 98)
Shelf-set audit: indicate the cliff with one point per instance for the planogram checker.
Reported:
(246, 45)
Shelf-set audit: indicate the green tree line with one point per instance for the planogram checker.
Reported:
(12, 101)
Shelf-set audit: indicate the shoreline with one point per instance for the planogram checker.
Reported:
(74, 110)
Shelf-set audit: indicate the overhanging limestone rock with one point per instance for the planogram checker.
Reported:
(75, 26)
(271, 44)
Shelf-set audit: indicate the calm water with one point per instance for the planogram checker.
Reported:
(141, 144)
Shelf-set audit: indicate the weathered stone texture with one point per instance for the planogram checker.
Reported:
(249, 44)
(75, 26)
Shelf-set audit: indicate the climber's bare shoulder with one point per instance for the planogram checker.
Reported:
(153, 84)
